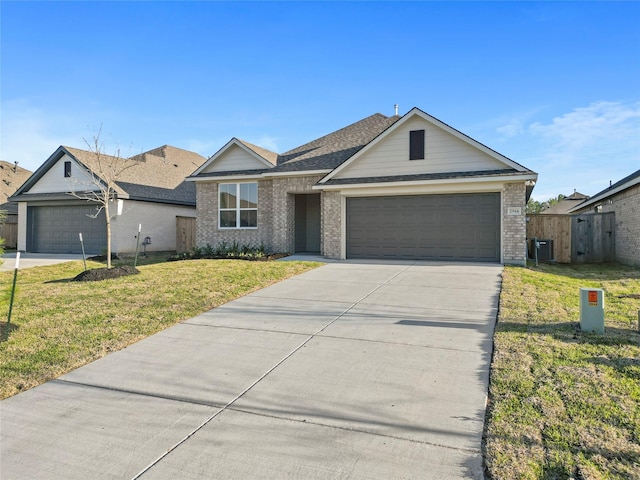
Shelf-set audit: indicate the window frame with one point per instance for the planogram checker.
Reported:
(238, 208)
(417, 143)
(67, 169)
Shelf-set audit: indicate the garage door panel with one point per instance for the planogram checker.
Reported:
(55, 229)
(439, 227)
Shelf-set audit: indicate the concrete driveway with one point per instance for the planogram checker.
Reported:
(353, 370)
(28, 260)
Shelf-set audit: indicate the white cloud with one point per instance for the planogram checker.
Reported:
(515, 127)
(29, 135)
(515, 124)
(582, 149)
(601, 124)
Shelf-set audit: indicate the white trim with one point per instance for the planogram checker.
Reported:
(297, 173)
(606, 194)
(256, 176)
(343, 227)
(223, 179)
(229, 144)
(501, 228)
(238, 209)
(434, 121)
(393, 186)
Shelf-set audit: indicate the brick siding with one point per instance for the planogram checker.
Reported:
(276, 218)
(331, 239)
(284, 189)
(207, 230)
(514, 227)
(276, 214)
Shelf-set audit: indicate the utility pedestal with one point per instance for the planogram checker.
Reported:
(592, 310)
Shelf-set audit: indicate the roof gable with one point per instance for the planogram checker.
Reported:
(330, 151)
(238, 155)
(43, 179)
(161, 171)
(446, 150)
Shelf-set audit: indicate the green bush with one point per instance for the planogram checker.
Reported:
(233, 250)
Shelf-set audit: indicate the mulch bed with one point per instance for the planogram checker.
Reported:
(97, 274)
(267, 258)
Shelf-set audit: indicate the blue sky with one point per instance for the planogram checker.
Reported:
(554, 86)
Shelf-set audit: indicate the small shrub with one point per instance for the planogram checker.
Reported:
(234, 250)
(221, 249)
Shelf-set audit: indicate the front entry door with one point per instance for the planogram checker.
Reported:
(307, 218)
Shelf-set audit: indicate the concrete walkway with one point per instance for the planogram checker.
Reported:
(352, 370)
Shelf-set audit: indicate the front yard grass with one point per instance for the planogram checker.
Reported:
(58, 325)
(564, 404)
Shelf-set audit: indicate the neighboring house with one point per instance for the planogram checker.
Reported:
(152, 193)
(566, 204)
(409, 187)
(623, 198)
(12, 177)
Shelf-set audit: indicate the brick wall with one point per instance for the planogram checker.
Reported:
(276, 218)
(207, 230)
(276, 214)
(514, 227)
(331, 239)
(284, 189)
(626, 206)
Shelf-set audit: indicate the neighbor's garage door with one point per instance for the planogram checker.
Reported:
(56, 229)
(430, 227)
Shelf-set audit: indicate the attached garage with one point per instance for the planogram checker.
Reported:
(55, 229)
(462, 227)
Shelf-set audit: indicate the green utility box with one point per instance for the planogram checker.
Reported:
(592, 310)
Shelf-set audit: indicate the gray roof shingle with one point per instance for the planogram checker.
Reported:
(328, 152)
(158, 175)
(13, 177)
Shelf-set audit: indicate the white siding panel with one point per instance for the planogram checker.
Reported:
(443, 151)
(54, 181)
(158, 222)
(235, 158)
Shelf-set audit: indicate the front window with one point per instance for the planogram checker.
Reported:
(238, 205)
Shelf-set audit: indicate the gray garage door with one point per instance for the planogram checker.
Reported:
(56, 229)
(430, 227)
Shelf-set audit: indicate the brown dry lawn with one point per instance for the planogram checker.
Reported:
(565, 404)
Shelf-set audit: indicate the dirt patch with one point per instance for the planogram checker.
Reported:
(630, 295)
(97, 274)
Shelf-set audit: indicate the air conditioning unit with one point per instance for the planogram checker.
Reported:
(545, 249)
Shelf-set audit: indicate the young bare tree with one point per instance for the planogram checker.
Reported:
(101, 187)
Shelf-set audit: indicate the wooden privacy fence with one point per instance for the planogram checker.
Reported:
(586, 238)
(9, 231)
(185, 234)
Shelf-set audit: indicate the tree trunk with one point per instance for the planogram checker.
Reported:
(108, 220)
